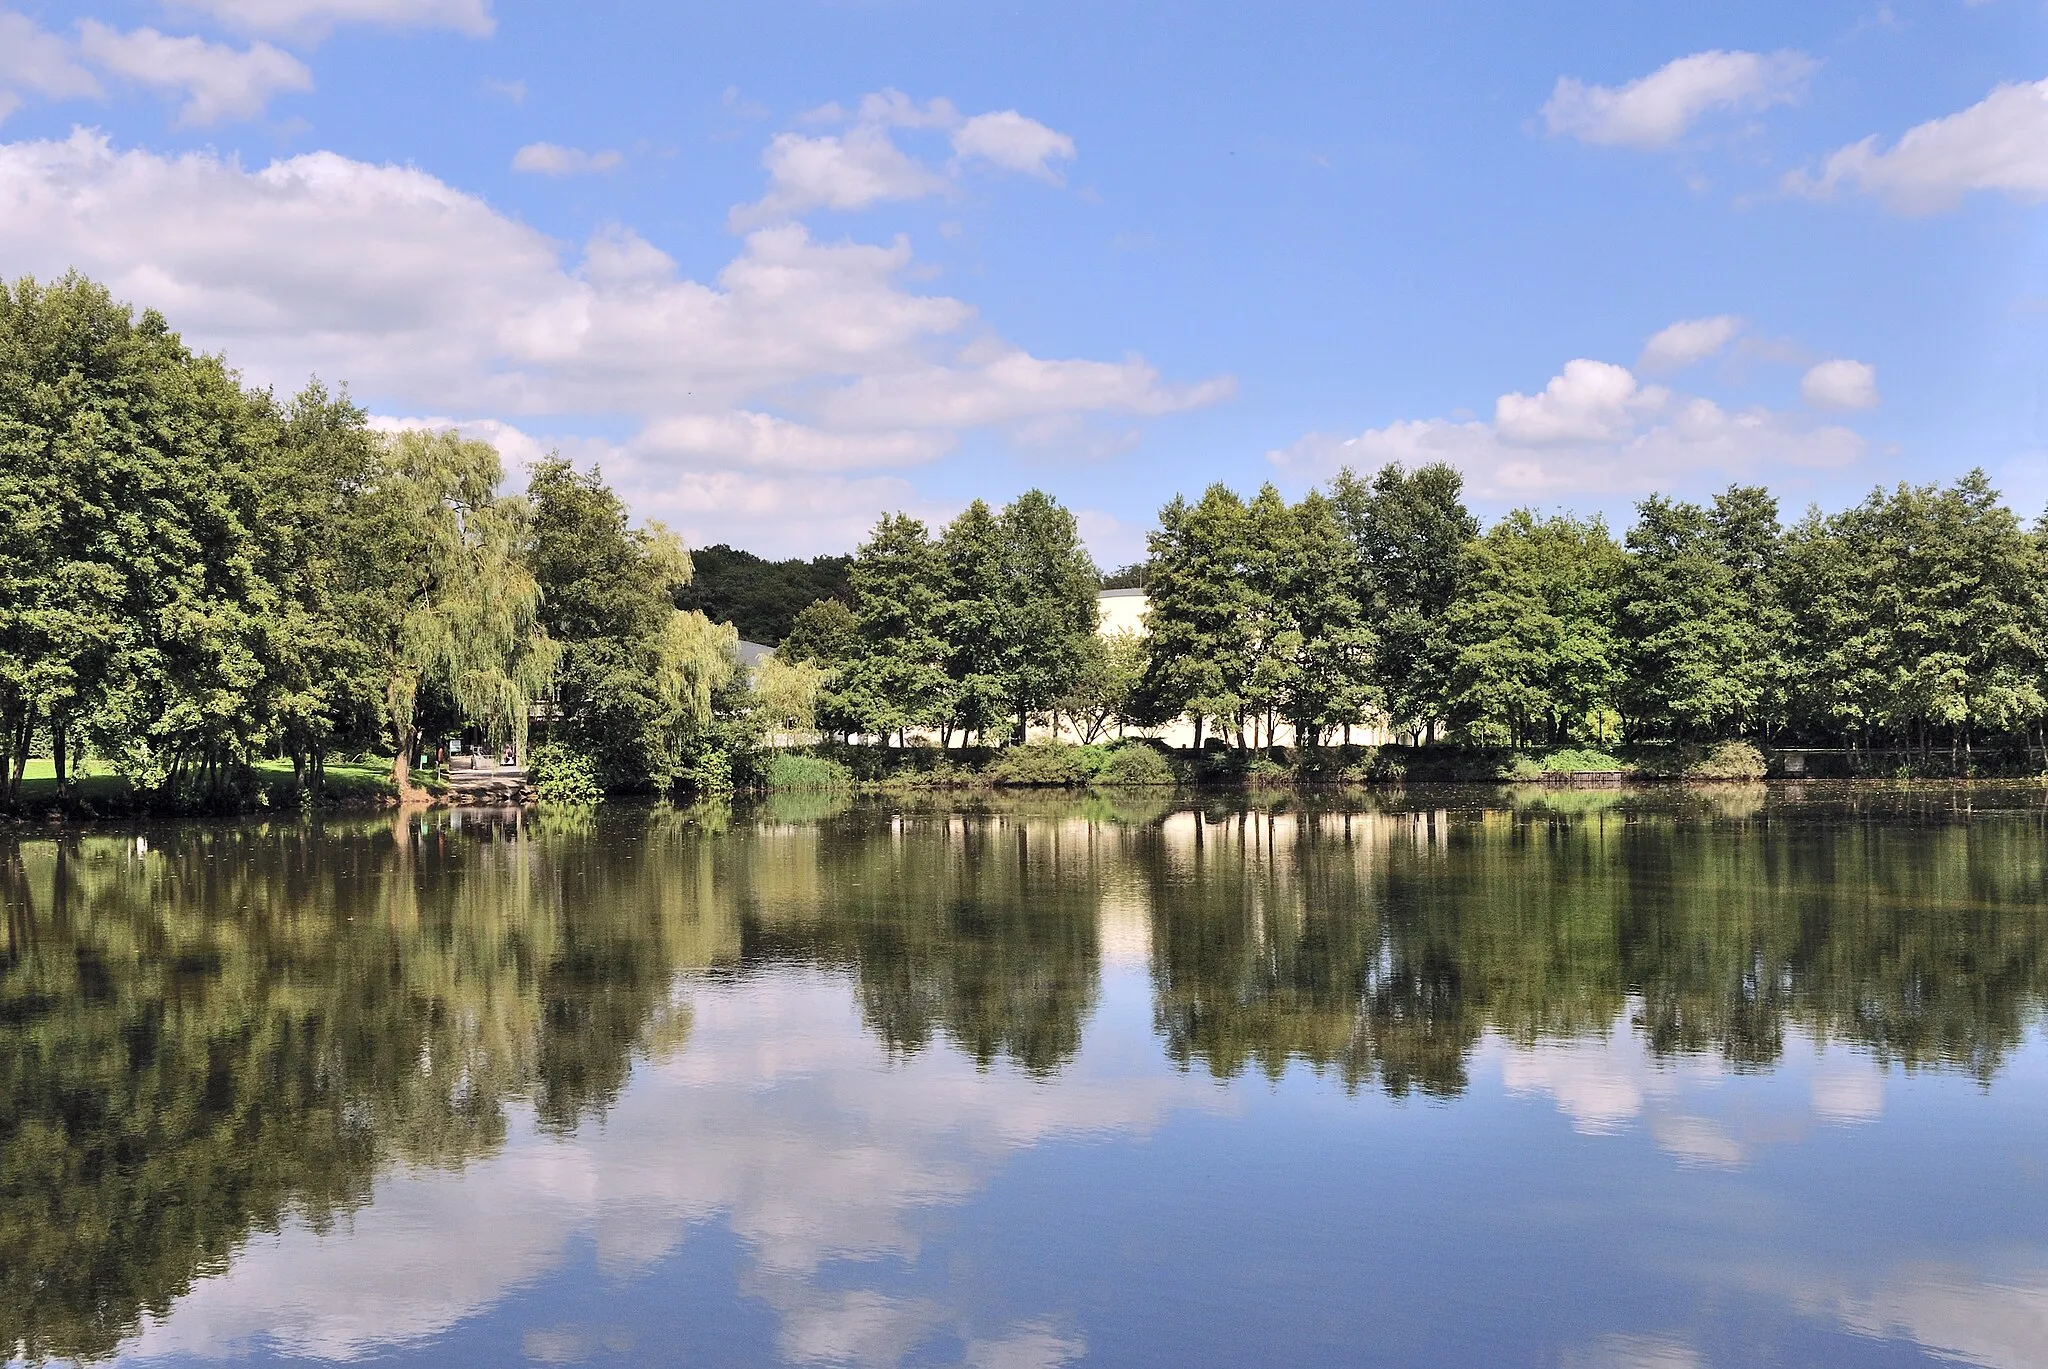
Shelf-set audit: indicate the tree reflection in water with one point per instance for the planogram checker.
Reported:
(208, 1031)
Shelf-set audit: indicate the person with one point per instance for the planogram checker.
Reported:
(511, 756)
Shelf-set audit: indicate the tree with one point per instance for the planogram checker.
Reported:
(1199, 600)
(463, 610)
(1409, 531)
(1111, 667)
(1685, 643)
(825, 632)
(326, 561)
(1535, 649)
(976, 624)
(896, 678)
(1049, 614)
(1327, 646)
(129, 480)
(760, 598)
(636, 673)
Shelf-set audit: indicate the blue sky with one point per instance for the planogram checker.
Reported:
(778, 267)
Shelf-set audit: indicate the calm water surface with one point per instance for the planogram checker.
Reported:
(1455, 1078)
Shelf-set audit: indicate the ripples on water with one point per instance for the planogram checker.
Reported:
(1732, 1077)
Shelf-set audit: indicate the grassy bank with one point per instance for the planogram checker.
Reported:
(96, 790)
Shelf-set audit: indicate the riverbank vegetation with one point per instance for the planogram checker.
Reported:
(203, 586)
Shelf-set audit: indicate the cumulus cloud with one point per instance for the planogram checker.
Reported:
(1657, 110)
(219, 82)
(549, 159)
(34, 61)
(1593, 429)
(843, 171)
(801, 355)
(1999, 144)
(315, 19)
(862, 165)
(1688, 341)
(775, 1122)
(1840, 384)
(1013, 142)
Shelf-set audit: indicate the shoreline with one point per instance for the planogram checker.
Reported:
(867, 793)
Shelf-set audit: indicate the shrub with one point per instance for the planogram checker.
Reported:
(793, 770)
(1135, 766)
(562, 775)
(1048, 764)
(1735, 760)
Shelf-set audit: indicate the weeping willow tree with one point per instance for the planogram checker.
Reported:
(465, 608)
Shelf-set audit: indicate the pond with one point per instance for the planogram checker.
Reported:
(1730, 1077)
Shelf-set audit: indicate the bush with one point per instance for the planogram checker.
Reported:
(1729, 761)
(1135, 766)
(793, 770)
(561, 775)
(1048, 764)
(1569, 761)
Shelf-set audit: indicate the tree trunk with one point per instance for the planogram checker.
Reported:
(59, 757)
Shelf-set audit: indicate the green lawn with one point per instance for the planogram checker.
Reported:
(94, 781)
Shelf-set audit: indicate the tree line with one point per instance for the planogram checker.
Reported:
(195, 576)
(1913, 620)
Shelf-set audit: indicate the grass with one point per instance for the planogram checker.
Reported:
(94, 784)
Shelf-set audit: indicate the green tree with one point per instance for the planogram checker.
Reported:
(129, 487)
(462, 612)
(1409, 530)
(1199, 601)
(1048, 613)
(1532, 628)
(976, 625)
(1685, 643)
(896, 678)
(636, 672)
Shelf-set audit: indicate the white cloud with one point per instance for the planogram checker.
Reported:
(1592, 430)
(1688, 341)
(1998, 144)
(1994, 1318)
(549, 159)
(218, 81)
(798, 355)
(843, 171)
(862, 165)
(315, 19)
(1840, 384)
(1589, 401)
(775, 1122)
(1634, 1352)
(1014, 143)
(36, 62)
(1657, 110)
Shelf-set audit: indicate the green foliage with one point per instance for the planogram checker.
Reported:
(1135, 765)
(1409, 530)
(760, 598)
(1567, 761)
(792, 770)
(562, 774)
(1111, 670)
(1732, 760)
(637, 674)
(1535, 655)
(895, 677)
(1048, 764)
(825, 633)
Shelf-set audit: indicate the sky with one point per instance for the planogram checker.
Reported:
(780, 267)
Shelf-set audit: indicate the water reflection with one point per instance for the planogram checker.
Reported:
(346, 1088)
